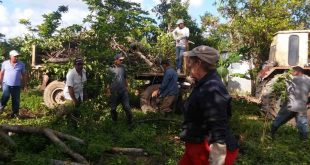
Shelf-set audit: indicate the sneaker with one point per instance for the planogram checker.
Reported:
(179, 71)
(14, 115)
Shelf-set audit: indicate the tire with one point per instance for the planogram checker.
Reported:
(53, 94)
(147, 103)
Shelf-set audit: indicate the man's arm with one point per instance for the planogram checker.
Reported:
(25, 80)
(165, 82)
(126, 83)
(69, 83)
(1, 76)
(72, 95)
(174, 34)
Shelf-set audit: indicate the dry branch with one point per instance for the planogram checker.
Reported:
(142, 56)
(159, 119)
(69, 137)
(249, 99)
(128, 151)
(60, 162)
(7, 138)
(51, 134)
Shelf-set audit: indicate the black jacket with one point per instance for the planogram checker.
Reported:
(207, 112)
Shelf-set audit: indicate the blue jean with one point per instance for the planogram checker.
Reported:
(179, 50)
(13, 91)
(122, 97)
(284, 115)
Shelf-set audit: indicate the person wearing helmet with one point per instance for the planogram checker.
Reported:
(12, 73)
(205, 129)
(180, 35)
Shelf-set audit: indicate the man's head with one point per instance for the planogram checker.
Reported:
(202, 59)
(78, 64)
(13, 55)
(165, 63)
(180, 23)
(118, 59)
(297, 71)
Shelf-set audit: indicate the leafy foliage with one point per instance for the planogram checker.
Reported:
(251, 24)
(280, 87)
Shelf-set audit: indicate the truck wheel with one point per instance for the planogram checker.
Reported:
(147, 103)
(53, 94)
(271, 105)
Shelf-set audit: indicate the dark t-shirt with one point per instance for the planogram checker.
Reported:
(119, 78)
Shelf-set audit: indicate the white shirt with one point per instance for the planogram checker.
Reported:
(73, 79)
(180, 36)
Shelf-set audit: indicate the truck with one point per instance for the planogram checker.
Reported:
(288, 49)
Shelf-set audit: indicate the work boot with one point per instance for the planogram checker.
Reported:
(303, 136)
(14, 115)
(129, 118)
(114, 115)
(168, 114)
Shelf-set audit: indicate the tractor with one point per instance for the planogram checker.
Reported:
(288, 49)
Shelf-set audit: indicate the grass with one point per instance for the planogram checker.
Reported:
(157, 138)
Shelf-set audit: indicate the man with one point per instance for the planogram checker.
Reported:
(168, 89)
(12, 72)
(180, 35)
(295, 105)
(74, 88)
(118, 89)
(205, 129)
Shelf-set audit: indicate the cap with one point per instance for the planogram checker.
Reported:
(118, 57)
(78, 61)
(180, 21)
(165, 62)
(204, 53)
(298, 69)
(14, 53)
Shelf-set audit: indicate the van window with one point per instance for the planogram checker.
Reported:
(293, 50)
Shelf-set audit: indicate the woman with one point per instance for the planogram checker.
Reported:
(205, 130)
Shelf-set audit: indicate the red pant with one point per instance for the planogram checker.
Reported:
(198, 154)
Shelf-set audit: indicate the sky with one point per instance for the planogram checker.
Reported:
(13, 10)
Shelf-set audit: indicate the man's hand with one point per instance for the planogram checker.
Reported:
(108, 92)
(155, 93)
(217, 154)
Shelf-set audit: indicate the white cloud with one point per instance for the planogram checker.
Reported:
(196, 3)
(33, 10)
(192, 3)
(4, 15)
(137, 1)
